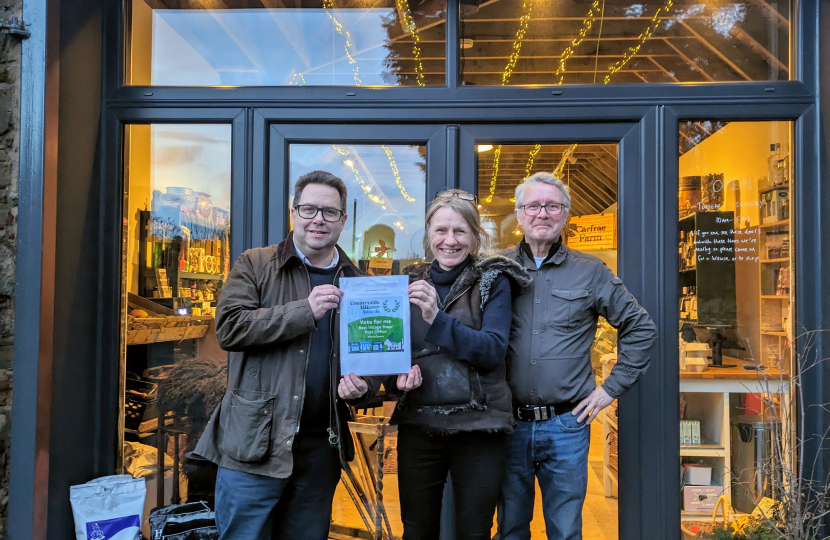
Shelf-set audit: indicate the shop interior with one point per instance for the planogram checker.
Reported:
(734, 257)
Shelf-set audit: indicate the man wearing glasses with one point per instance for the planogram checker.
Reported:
(280, 434)
(555, 396)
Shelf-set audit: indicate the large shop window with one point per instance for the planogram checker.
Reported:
(594, 42)
(735, 290)
(176, 257)
(317, 43)
(590, 171)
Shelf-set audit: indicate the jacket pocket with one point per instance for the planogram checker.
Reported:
(567, 306)
(247, 428)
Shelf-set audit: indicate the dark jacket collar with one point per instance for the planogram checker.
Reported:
(556, 257)
(286, 251)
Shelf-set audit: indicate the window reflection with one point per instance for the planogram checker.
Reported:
(590, 171)
(383, 234)
(735, 256)
(176, 258)
(672, 41)
(387, 187)
(320, 43)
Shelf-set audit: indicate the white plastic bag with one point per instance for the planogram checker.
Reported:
(108, 508)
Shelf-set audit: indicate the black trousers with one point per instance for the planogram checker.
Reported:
(475, 461)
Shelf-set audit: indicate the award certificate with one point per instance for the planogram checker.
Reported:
(374, 326)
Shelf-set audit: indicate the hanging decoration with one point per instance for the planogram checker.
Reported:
(529, 166)
(495, 177)
(524, 22)
(396, 173)
(409, 23)
(533, 153)
(565, 159)
(633, 50)
(349, 162)
(293, 80)
(327, 5)
(587, 23)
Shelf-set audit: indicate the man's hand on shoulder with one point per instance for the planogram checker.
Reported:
(322, 299)
(592, 405)
(352, 387)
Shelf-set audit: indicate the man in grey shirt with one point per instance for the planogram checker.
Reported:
(555, 396)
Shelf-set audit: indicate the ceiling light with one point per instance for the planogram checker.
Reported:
(485, 147)
(466, 43)
(469, 7)
(349, 162)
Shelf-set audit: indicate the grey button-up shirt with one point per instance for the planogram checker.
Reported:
(554, 324)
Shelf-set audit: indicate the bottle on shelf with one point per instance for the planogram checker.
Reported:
(684, 314)
(680, 253)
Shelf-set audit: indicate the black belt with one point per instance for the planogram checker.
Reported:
(529, 413)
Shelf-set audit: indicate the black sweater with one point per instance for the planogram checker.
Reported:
(318, 390)
(484, 349)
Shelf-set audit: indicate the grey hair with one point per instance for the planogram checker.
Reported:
(544, 178)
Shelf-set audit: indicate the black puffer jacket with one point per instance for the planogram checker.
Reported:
(454, 395)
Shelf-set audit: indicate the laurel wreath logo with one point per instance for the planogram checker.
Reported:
(393, 309)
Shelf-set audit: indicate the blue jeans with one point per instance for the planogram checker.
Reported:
(556, 452)
(255, 507)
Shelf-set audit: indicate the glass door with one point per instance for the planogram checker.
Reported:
(391, 175)
(587, 159)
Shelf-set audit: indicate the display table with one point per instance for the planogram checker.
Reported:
(707, 396)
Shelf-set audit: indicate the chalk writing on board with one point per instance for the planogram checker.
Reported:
(727, 245)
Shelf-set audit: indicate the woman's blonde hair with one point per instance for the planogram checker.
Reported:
(467, 210)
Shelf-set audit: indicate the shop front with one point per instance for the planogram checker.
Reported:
(172, 134)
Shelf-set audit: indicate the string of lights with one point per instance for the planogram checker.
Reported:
(633, 50)
(587, 23)
(529, 165)
(524, 22)
(495, 177)
(409, 23)
(294, 79)
(565, 158)
(327, 5)
(396, 173)
(350, 164)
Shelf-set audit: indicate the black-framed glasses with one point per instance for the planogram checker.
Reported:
(307, 211)
(553, 209)
(460, 193)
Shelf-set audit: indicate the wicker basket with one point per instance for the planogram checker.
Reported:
(692, 529)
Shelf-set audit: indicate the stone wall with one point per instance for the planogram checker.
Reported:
(9, 141)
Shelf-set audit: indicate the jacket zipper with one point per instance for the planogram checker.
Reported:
(334, 438)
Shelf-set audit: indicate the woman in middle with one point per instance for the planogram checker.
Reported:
(458, 420)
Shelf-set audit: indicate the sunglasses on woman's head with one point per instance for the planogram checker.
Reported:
(460, 193)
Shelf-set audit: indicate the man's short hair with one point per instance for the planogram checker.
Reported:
(324, 178)
(544, 178)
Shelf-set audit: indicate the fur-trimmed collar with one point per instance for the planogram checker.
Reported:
(485, 270)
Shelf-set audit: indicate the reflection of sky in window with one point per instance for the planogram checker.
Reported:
(374, 169)
(268, 47)
(196, 156)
